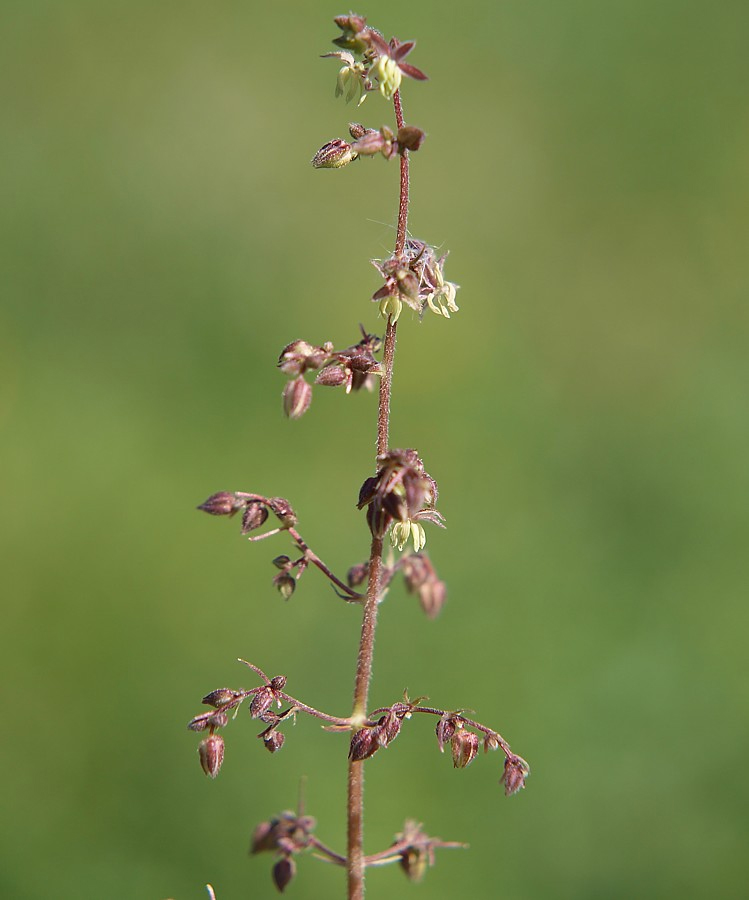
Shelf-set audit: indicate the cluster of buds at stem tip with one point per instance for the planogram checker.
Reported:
(416, 278)
(402, 495)
(353, 368)
(369, 62)
(338, 153)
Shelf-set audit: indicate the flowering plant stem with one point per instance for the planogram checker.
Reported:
(355, 804)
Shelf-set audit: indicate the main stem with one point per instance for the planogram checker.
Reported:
(355, 809)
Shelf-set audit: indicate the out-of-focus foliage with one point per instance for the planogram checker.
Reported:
(163, 236)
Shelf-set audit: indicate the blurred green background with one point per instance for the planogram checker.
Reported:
(163, 237)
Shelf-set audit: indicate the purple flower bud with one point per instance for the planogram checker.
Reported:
(220, 697)
(253, 517)
(221, 504)
(283, 872)
(261, 701)
(364, 743)
(274, 741)
(410, 138)
(211, 752)
(514, 775)
(278, 682)
(331, 376)
(445, 730)
(432, 596)
(297, 396)
(357, 575)
(333, 155)
(465, 746)
(285, 584)
(282, 510)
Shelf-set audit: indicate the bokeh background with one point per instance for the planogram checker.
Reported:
(162, 236)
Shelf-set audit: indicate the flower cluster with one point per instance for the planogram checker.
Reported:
(369, 61)
(285, 835)
(353, 368)
(416, 278)
(401, 494)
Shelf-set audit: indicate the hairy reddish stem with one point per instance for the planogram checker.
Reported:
(355, 805)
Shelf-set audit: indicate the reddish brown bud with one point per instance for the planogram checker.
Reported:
(357, 575)
(514, 775)
(410, 138)
(333, 155)
(465, 746)
(331, 376)
(281, 562)
(220, 697)
(356, 130)
(298, 356)
(297, 396)
(283, 872)
(211, 752)
(432, 596)
(370, 143)
(201, 722)
(253, 517)
(278, 682)
(221, 504)
(274, 741)
(445, 730)
(261, 701)
(491, 742)
(285, 584)
(282, 510)
(364, 743)
(414, 861)
(389, 727)
(263, 837)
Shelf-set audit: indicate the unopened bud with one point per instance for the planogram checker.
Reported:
(514, 775)
(274, 741)
(356, 130)
(278, 682)
(298, 356)
(263, 837)
(491, 742)
(410, 138)
(333, 155)
(211, 752)
(331, 376)
(221, 504)
(357, 575)
(432, 596)
(285, 584)
(370, 143)
(253, 517)
(220, 697)
(465, 746)
(282, 562)
(261, 702)
(297, 396)
(282, 510)
(445, 730)
(414, 862)
(364, 743)
(283, 872)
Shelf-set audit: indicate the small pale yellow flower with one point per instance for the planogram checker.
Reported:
(402, 531)
(442, 301)
(389, 76)
(391, 306)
